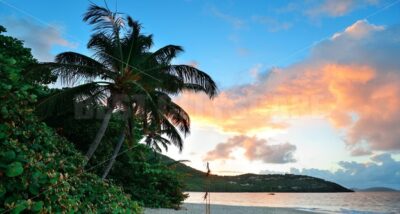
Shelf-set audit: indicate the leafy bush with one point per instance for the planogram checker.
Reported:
(41, 172)
(139, 170)
(148, 179)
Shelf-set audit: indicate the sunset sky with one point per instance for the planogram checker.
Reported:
(307, 87)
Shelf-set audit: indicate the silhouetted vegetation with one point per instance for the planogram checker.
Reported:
(139, 170)
(43, 140)
(126, 75)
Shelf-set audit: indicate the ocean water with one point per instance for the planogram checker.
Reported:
(357, 202)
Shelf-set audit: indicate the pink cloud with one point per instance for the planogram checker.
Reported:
(351, 79)
(337, 8)
(254, 149)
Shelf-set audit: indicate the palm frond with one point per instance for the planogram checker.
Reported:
(64, 100)
(178, 117)
(69, 74)
(90, 68)
(136, 44)
(107, 51)
(153, 141)
(193, 75)
(163, 141)
(172, 133)
(165, 54)
(104, 20)
(173, 112)
(189, 78)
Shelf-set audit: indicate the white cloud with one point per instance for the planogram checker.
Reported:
(255, 70)
(236, 22)
(381, 171)
(243, 51)
(272, 25)
(193, 63)
(41, 39)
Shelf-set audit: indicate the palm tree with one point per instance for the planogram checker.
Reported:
(122, 67)
(165, 122)
(162, 121)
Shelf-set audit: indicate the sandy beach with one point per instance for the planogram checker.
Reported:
(188, 208)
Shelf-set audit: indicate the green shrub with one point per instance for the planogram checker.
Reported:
(41, 172)
(142, 174)
(148, 179)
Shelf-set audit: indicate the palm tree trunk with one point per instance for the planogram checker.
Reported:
(114, 156)
(100, 134)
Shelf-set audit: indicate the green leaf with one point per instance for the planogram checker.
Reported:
(14, 169)
(34, 189)
(2, 190)
(37, 206)
(4, 111)
(3, 135)
(19, 207)
(9, 156)
(33, 97)
(53, 180)
(12, 61)
(14, 76)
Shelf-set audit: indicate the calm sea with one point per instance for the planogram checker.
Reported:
(358, 202)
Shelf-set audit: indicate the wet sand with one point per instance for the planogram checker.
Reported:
(188, 208)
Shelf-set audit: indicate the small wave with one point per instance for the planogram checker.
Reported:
(340, 210)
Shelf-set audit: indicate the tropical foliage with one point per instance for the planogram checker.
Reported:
(148, 180)
(127, 75)
(41, 172)
(42, 169)
(139, 170)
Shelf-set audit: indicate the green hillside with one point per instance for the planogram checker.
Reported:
(196, 181)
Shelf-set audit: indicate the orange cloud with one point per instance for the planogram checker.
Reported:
(353, 86)
(337, 8)
(374, 100)
(230, 112)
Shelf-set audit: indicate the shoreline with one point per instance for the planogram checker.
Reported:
(193, 208)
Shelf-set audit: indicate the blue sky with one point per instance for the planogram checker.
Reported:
(238, 43)
(234, 35)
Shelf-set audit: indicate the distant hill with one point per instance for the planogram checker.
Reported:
(376, 189)
(196, 181)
